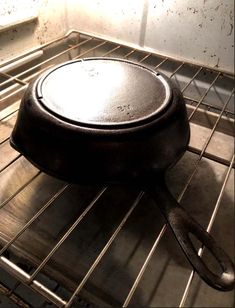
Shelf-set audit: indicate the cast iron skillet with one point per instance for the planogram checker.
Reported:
(103, 120)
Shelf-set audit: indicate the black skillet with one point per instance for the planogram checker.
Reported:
(103, 120)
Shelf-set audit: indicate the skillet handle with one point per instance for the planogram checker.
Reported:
(182, 226)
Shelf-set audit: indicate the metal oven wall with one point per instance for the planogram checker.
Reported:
(196, 31)
(26, 24)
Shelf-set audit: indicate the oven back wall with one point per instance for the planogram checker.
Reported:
(197, 31)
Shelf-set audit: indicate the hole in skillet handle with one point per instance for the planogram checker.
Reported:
(184, 226)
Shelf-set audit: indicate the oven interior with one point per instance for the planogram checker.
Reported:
(64, 244)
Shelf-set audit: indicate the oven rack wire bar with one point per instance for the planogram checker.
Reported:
(12, 78)
(30, 279)
(6, 115)
(31, 221)
(20, 189)
(208, 107)
(204, 95)
(22, 276)
(16, 299)
(21, 89)
(19, 75)
(4, 140)
(144, 266)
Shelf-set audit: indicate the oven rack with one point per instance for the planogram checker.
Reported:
(76, 45)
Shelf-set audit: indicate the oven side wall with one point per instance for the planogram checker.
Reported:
(26, 24)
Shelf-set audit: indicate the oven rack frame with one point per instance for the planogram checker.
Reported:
(20, 82)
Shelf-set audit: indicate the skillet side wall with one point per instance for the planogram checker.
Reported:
(89, 155)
